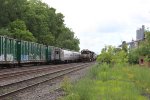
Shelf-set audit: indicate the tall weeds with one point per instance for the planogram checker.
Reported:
(120, 82)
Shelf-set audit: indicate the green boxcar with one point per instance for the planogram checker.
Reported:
(23, 51)
(30, 52)
(50, 53)
(8, 50)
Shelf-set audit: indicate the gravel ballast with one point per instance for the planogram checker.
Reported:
(49, 90)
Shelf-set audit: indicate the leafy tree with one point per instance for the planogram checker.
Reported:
(11, 10)
(112, 55)
(67, 40)
(17, 24)
(120, 57)
(106, 55)
(5, 32)
(48, 39)
(18, 31)
(34, 20)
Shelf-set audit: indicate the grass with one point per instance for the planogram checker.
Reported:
(122, 82)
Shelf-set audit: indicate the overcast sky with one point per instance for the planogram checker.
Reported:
(103, 22)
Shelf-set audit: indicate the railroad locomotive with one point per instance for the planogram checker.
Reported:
(87, 55)
(19, 52)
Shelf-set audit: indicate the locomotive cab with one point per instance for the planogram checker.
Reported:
(86, 55)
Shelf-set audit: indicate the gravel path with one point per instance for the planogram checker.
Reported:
(47, 90)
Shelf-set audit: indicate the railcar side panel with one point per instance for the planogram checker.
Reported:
(50, 53)
(30, 52)
(7, 50)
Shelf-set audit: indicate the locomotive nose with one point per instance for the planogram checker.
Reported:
(84, 55)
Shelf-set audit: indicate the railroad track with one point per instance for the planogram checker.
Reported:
(25, 74)
(32, 72)
(20, 69)
(13, 87)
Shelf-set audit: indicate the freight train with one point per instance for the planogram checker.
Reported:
(19, 52)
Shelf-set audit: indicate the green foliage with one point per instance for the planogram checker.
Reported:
(67, 40)
(147, 58)
(143, 49)
(85, 92)
(112, 55)
(93, 73)
(23, 35)
(48, 39)
(147, 36)
(17, 24)
(133, 56)
(5, 32)
(124, 46)
(11, 10)
(141, 78)
(120, 57)
(103, 72)
(38, 21)
(113, 83)
(106, 55)
(18, 31)
(71, 96)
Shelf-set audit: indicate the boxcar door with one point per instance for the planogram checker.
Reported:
(57, 54)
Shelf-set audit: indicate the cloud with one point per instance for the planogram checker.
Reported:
(141, 18)
(112, 27)
(102, 22)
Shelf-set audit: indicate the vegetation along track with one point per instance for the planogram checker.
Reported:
(8, 89)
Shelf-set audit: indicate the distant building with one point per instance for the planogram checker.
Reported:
(140, 33)
(140, 36)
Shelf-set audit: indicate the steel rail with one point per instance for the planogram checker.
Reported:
(29, 83)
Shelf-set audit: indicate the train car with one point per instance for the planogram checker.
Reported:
(30, 52)
(19, 52)
(61, 55)
(65, 56)
(8, 51)
(56, 55)
(76, 56)
(87, 55)
(69, 56)
(53, 54)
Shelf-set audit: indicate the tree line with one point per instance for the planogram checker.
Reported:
(33, 20)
